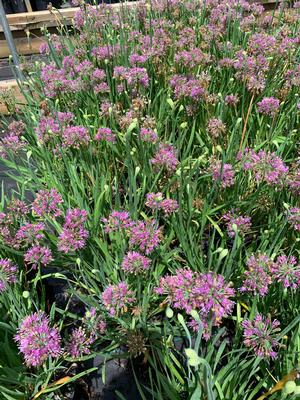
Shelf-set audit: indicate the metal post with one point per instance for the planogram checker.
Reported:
(10, 41)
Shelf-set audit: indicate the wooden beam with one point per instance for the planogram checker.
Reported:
(24, 45)
(10, 85)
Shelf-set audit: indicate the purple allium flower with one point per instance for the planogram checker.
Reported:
(287, 271)
(231, 100)
(223, 173)
(188, 88)
(261, 43)
(236, 223)
(13, 141)
(134, 77)
(75, 136)
(266, 166)
(192, 58)
(98, 74)
(207, 293)
(30, 233)
(47, 202)
(135, 263)
(47, 129)
(260, 334)
(79, 343)
(294, 217)
(215, 127)
(117, 298)
(73, 235)
(145, 235)
(153, 200)
(37, 255)
(148, 135)
(117, 220)
(268, 106)
(165, 157)
(106, 134)
(293, 179)
(18, 207)
(168, 206)
(37, 340)
(259, 275)
(8, 274)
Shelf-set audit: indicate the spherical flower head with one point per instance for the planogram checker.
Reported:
(117, 220)
(259, 335)
(294, 218)
(231, 100)
(38, 255)
(79, 343)
(75, 137)
(165, 158)
(148, 135)
(268, 106)
(259, 275)
(153, 200)
(106, 135)
(215, 127)
(223, 173)
(144, 235)
(266, 166)
(18, 208)
(135, 263)
(8, 274)
(287, 271)
(117, 298)
(208, 293)
(47, 202)
(29, 234)
(169, 206)
(237, 224)
(37, 340)
(73, 236)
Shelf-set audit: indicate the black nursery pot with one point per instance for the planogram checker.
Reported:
(14, 6)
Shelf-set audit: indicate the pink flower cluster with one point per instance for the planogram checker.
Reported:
(106, 134)
(260, 335)
(237, 224)
(117, 298)
(47, 203)
(37, 340)
(223, 173)
(145, 235)
(262, 272)
(8, 274)
(84, 336)
(258, 276)
(75, 137)
(294, 217)
(156, 201)
(73, 235)
(268, 106)
(135, 263)
(208, 293)
(266, 166)
(116, 221)
(37, 255)
(165, 158)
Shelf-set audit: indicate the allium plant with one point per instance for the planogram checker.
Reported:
(8, 274)
(260, 334)
(154, 161)
(37, 340)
